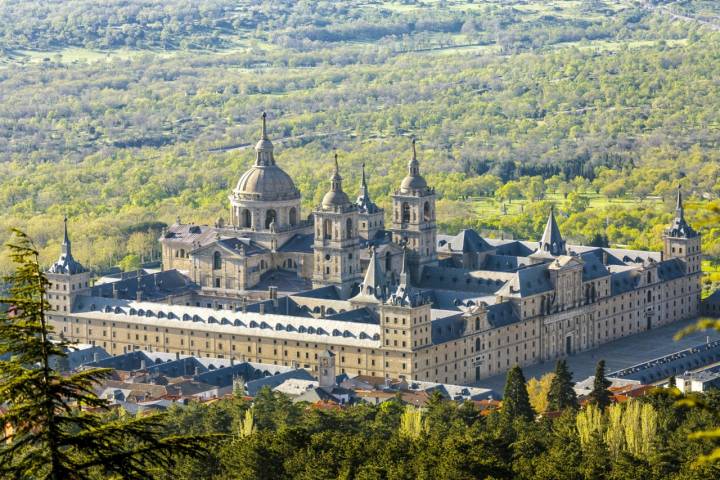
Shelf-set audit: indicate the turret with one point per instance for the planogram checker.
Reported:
(337, 243)
(413, 221)
(67, 277)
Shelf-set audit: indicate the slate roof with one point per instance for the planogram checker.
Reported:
(467, 241)
(505, 263)
(671, 269)
(153, 286)
(624, 281)
(447, 328)
(528, 281)
(447, 278)
(552, 241)
(501, 314)
(299, 243)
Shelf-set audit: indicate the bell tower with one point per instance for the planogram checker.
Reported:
(413, 218)
(67, 277)
(681, 240)
(337, 243)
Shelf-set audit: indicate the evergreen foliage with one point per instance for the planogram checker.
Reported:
(516, 401)
(53, 430)
(561, 394)
(600, 395)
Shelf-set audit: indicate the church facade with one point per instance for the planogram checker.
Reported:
(407, 302)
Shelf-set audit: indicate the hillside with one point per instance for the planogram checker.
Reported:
(126, 119)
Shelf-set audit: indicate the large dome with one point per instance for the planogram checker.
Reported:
(266, 183)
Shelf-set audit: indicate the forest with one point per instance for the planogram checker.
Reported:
(128, 115)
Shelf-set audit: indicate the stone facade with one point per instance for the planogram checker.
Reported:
(404, 302)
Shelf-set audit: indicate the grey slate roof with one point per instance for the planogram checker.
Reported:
(552, 242)
(299, 243)
(253, 387)
(153, 286)
(467, 241)
(671, 269)
(529, 281)
(505, 263)
(66, 264)
(501, 314)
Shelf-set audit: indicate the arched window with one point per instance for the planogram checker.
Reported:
(182, 253)
(270, 217)
(649, 296)
(388, 262)
(405, 212)
(246, 218)
(327, 229)
(649, 277)
(348, 228)
(292, 216)
(217, 261)
(426, 212)
(477, 345)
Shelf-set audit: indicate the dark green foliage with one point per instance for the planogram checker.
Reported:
(49, 436)
(516, 401)
(561, 394)
(600, 395)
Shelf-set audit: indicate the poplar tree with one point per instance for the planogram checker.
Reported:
(600, 395)
(516, 401)
(55, 426)
(561, 394)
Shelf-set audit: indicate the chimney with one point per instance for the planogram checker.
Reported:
(139, 295)
(142, 364)
(605, 257)
(96, 357)
(262, 309)
(114, 291)
(177, 355)
(322, 311)
(272, 292)
(232, 361)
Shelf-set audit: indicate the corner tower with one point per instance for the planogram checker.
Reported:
(413, 219)
(336, 244)
(680, 240)
(67, 277)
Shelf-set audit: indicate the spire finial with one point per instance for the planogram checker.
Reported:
(363, 182)
(264, 126)
(679, 204)
(414, 152)
(337, 168)
(66, 240)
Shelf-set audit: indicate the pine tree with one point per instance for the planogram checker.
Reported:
(52, 428)
(516, 401)
(600, 394)
(561, 394)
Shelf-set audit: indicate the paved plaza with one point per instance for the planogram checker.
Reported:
(622, 353)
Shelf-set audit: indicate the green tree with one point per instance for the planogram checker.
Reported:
(516, 401)
(561, 394)
(600, 395)
(52, 430)
(130, 262)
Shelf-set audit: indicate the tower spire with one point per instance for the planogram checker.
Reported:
(679, 211)
(336, 179)
(552, 241)
(66, 263)
(66, 239)
(264, 148)
(413, 164)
